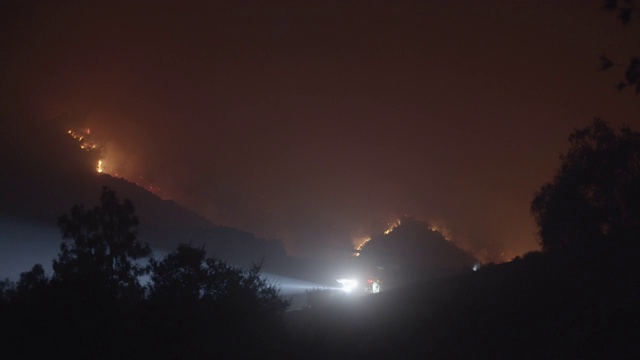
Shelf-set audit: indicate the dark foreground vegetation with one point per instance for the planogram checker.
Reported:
(538, 307)
(578, 298)
(93, 306)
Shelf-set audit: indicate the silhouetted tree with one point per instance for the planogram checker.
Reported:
(7, 288)
(32, 286)
(95, 285)
(626, 11)
(93, 305)
(104, 247)
(593, 202)
(32, 280)
(208, 308)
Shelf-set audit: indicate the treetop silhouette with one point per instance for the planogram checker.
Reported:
(593, 201)
(104, 246)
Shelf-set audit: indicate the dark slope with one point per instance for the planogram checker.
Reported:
(163, 223)
(532, 308)
(414, 251)
(44, 173)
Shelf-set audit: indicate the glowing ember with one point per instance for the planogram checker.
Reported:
(367, 239)
(362, 242)
(392, 226)
(84, 138)
(441, 231)
(107, 162)
(88, 144)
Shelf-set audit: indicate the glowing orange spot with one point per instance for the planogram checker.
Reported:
(362, 242)
(392, 226)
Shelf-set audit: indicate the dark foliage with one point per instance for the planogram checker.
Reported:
(211, 308)
(319, 297)
(104, 247)
(626, 11)
(94, 307)
(540, 307)
(593, 202)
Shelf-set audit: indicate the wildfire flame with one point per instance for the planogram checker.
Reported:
(362, 243)
(106, 164)
(367, 239)
(440, 230)
(392, 226)
(86, 143)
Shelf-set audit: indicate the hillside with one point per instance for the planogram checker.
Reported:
(45, 173)
(537, 307)
(413, 251)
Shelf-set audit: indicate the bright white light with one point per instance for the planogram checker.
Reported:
(348, 284)
(476, 266)
(375, 287)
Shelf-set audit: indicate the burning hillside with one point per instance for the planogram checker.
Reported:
(107, 160)
(412, 249)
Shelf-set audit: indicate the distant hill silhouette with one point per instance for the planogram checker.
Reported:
(414, 251)
(45, 173)
(163, 223)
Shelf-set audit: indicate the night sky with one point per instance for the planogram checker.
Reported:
(320, 122)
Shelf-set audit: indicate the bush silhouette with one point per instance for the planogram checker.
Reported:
(206, 307)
